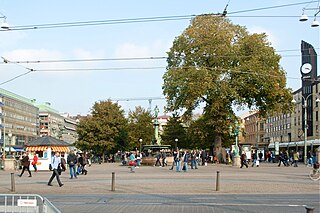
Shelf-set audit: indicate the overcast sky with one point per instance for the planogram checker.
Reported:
(76, 91)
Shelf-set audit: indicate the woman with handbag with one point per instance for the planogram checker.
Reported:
(56, 169)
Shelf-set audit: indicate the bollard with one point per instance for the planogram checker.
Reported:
(113, 187)
(218, 181)
(13, 185)
(309, 209)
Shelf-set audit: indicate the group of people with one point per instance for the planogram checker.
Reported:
(76, 163)
(25, 163)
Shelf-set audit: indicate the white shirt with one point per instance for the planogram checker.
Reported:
(55, 161)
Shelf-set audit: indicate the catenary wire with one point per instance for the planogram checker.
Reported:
(139, 20)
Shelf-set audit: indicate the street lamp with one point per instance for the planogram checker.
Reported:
(4, 24)
(140, 141)
(235, 132)
(304, 17)
(305, 105)
(176, 140)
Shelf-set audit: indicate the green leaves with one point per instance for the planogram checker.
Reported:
(220, 64)
(99, 131)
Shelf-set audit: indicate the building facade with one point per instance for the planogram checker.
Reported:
(18, 120)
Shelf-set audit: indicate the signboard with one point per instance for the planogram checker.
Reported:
(276, 148)
(27, 202)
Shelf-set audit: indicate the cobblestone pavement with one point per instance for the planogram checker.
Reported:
(268, 179)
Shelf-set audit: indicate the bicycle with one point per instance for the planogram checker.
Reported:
(315, 173)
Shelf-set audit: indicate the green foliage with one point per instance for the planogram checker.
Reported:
(103, 129)
(221, 65)
(175, 130)
(140, 126)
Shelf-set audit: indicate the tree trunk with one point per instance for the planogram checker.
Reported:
(217, 148)
(103, 156)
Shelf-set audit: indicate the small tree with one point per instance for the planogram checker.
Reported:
(175, 130)
(100, 131)
(139, 126)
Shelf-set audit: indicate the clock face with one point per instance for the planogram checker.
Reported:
(306, 68)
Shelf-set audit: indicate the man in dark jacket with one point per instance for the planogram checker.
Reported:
(72, 163)
(26, 164)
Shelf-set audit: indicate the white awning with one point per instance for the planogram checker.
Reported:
(296, 143)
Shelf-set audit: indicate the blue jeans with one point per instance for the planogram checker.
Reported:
(72, 170)
(138, 162)
(185, 164)
(178, 166)
(194, 164)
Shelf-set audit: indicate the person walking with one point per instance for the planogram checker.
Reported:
(83, 162)
(243, 159)
(34, 162)
(158, 156)
(132, 162)
(178, 162)
(138, 157)
(26, 164)
(164, 158)
(254, 158)
(193, 156)
(56, 169)
(72, 163)
(295, 159)
(174, 156)
(185, 161)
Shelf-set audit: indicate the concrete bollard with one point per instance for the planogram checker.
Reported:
(13, 184)
(113, 186)
(218, 181)
(309, 209)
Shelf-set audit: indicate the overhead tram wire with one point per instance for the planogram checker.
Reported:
(139, 20)
(130, 59)
(18, 76)
(124, 68)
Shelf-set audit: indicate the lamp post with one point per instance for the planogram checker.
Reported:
(305, 105)
(176, 140)
(10, 137)
(235, 132)
(140, 141)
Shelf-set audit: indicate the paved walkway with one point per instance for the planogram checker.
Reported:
(266, 179)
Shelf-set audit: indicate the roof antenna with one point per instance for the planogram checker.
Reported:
(225, 10)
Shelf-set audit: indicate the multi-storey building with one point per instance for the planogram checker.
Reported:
(18, 120)
(50, 121)
(69, 133)
(54, 124)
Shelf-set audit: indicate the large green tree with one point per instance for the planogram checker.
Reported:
(104, 129)
(221, 65)
(140, 127)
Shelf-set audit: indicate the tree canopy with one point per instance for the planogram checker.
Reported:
(221, 65)
(140, 127)
(103, 129)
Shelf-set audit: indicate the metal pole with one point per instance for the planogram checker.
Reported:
(218, 181)
(305, 131)
(13, 186)
(113, 187)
